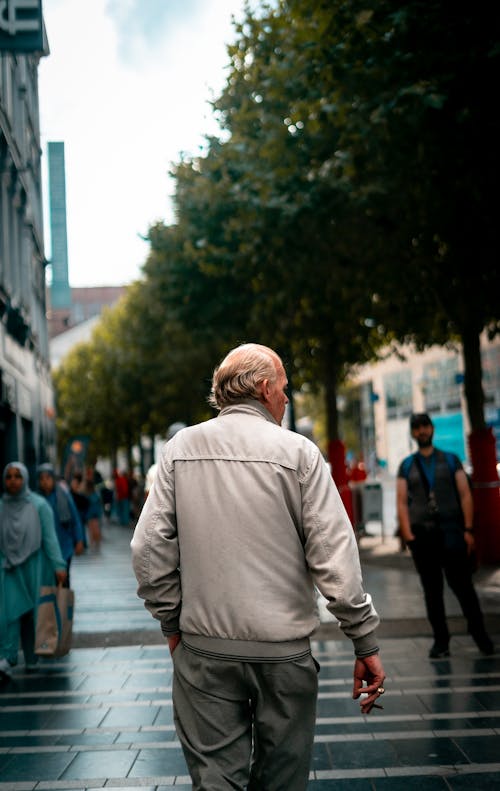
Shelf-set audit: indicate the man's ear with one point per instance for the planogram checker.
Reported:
(264, 391)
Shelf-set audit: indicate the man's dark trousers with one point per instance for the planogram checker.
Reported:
(438, 550)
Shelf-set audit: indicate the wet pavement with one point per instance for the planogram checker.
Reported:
(101, 717)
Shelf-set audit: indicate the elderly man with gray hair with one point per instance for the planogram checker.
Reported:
(242, 523)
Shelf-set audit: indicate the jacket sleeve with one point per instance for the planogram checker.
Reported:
(155, 551)
(333, 558)
(50, 542)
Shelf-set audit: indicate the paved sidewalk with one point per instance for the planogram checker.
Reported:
(102, 716)
(109, 613)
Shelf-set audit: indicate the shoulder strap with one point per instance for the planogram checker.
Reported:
(425, 480)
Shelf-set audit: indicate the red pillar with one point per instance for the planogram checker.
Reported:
(486, 494)
(336, 457)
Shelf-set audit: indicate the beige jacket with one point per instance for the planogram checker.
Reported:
(245, 517)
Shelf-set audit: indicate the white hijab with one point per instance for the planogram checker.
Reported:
(20, 529)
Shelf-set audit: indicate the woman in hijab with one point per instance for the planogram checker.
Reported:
(69, 528)
(29, 557)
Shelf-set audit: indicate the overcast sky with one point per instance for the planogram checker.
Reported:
(126, 87)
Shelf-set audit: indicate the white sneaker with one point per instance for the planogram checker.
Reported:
(5, 668)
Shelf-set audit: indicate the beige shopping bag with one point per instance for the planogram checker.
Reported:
(54, 621)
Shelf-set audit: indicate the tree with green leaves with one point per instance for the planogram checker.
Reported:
(375, 123)
(349, 200)
(356, 148)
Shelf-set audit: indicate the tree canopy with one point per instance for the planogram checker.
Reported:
(349, 200)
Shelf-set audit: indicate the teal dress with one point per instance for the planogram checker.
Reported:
(20, 586)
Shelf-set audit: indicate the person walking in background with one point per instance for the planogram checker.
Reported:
(151, 473)
(121, 497)
(80, 499)
(106, 495)
(68, 525)
(150, 476)
(94, 514)
(243, 520)
(30, 556)
(435, 514)
(135, 495)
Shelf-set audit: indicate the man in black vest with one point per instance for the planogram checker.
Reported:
(435, 513)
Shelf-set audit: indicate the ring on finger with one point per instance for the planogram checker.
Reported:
(380, 690)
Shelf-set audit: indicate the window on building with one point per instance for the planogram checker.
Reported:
(442, 385)
(398, 394)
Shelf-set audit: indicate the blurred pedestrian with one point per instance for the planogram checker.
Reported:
(30, 556)
(107, 496)
(435, 515)
(68, 525)
(93, 474)
(242, 522)
(151, 473)
(135, 495)
(94, 514)
(121, 498)
(150, 476)
(80, 499)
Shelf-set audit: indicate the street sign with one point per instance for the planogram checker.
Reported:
(21, 26)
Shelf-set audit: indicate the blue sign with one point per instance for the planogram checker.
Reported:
(449, 433)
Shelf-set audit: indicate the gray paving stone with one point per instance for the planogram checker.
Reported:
(105, 709)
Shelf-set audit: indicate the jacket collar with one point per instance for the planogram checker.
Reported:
(248, 406)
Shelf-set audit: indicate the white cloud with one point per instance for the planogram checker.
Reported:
(123, 123)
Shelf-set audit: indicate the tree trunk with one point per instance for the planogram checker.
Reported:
(473, 378)
(142, 457)
(129, 452)
(332, 414)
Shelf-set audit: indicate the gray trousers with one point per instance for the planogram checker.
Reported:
(245, 725)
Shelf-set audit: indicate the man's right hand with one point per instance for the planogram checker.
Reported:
(370, 670)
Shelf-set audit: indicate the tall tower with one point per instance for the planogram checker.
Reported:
(60, 292)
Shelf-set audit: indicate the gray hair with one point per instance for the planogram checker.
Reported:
(241, 372)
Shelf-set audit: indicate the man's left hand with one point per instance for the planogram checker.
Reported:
(469, 542)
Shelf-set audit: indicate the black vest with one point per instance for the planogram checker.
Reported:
(445, 491)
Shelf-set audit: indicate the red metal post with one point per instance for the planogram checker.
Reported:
(336, 457)
(486, 494)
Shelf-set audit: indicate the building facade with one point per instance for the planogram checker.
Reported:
(85, 303)
(27, 430)
(430, 381)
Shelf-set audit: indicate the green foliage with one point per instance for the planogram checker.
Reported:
(138, 374)
(350, 199)
(424, 143)
(371, 137)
